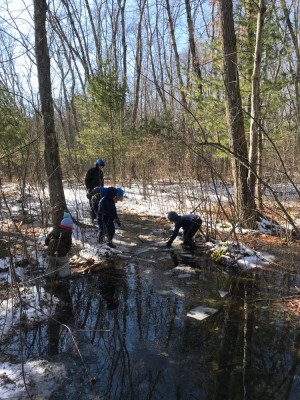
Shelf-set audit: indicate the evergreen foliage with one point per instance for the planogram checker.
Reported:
(100, 116)
(12, 127)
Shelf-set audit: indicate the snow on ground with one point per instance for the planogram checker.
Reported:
(42, 377)
(143, 200)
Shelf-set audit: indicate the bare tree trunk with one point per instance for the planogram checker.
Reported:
(250, 13)
(95, 36)
(260, 203)
(52, 161)
(255, 99)
(155, 60)
(244, 201)
(195, 61)
(124, 49)
(79, 34)
(176, 54)
(295, 39)
(138, 60)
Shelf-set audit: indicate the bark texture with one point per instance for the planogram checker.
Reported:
(51, 154)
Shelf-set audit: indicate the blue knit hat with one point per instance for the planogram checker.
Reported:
(120, 192)
(100, 162)
(66, 223)
(66, 215)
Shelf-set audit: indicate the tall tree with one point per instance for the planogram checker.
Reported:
(244, 199)
(195, 60)
(255, 97)
(176, 53)
(293, 29)
(138, 60)
(51, 154)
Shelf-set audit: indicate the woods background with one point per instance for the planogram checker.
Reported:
(146, 85)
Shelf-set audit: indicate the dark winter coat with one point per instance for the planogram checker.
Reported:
(185, 222)
(94, 177)
(97, 191)
(107, 207)
(59, 242)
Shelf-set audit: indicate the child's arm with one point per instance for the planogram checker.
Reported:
(173, 236)
(48, 238)
(90, 194)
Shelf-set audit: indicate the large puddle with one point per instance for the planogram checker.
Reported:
(124, 331)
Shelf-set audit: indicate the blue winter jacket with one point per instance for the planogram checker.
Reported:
(107, 207)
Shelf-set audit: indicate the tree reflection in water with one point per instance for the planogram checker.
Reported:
(130, 324)
(62, 315)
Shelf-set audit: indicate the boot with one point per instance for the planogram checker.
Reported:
(110, 244)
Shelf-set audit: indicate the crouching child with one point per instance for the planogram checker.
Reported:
(59, 242)
(189, 223)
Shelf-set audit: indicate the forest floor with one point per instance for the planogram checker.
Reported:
(286, 252)
(22, 239)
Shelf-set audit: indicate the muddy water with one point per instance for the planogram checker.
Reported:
(126, 333)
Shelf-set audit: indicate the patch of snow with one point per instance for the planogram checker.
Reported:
(42, 379)
(250, 262)
(236, 254)
(4, 264)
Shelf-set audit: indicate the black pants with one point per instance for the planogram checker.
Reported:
(189, 233)
(94, 201)
(106, 227)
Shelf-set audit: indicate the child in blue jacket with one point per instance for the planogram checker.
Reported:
(98, 192)
(107, 216)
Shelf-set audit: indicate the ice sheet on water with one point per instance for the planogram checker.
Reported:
(170, 292)
(223, 293)
(201, 313)
(184, 268)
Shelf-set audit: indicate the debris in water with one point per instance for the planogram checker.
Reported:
(201, 313)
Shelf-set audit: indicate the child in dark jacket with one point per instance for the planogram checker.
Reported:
(107, 215)
(59, 242)
(189, 223)
(94, 178)
(98, 192)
